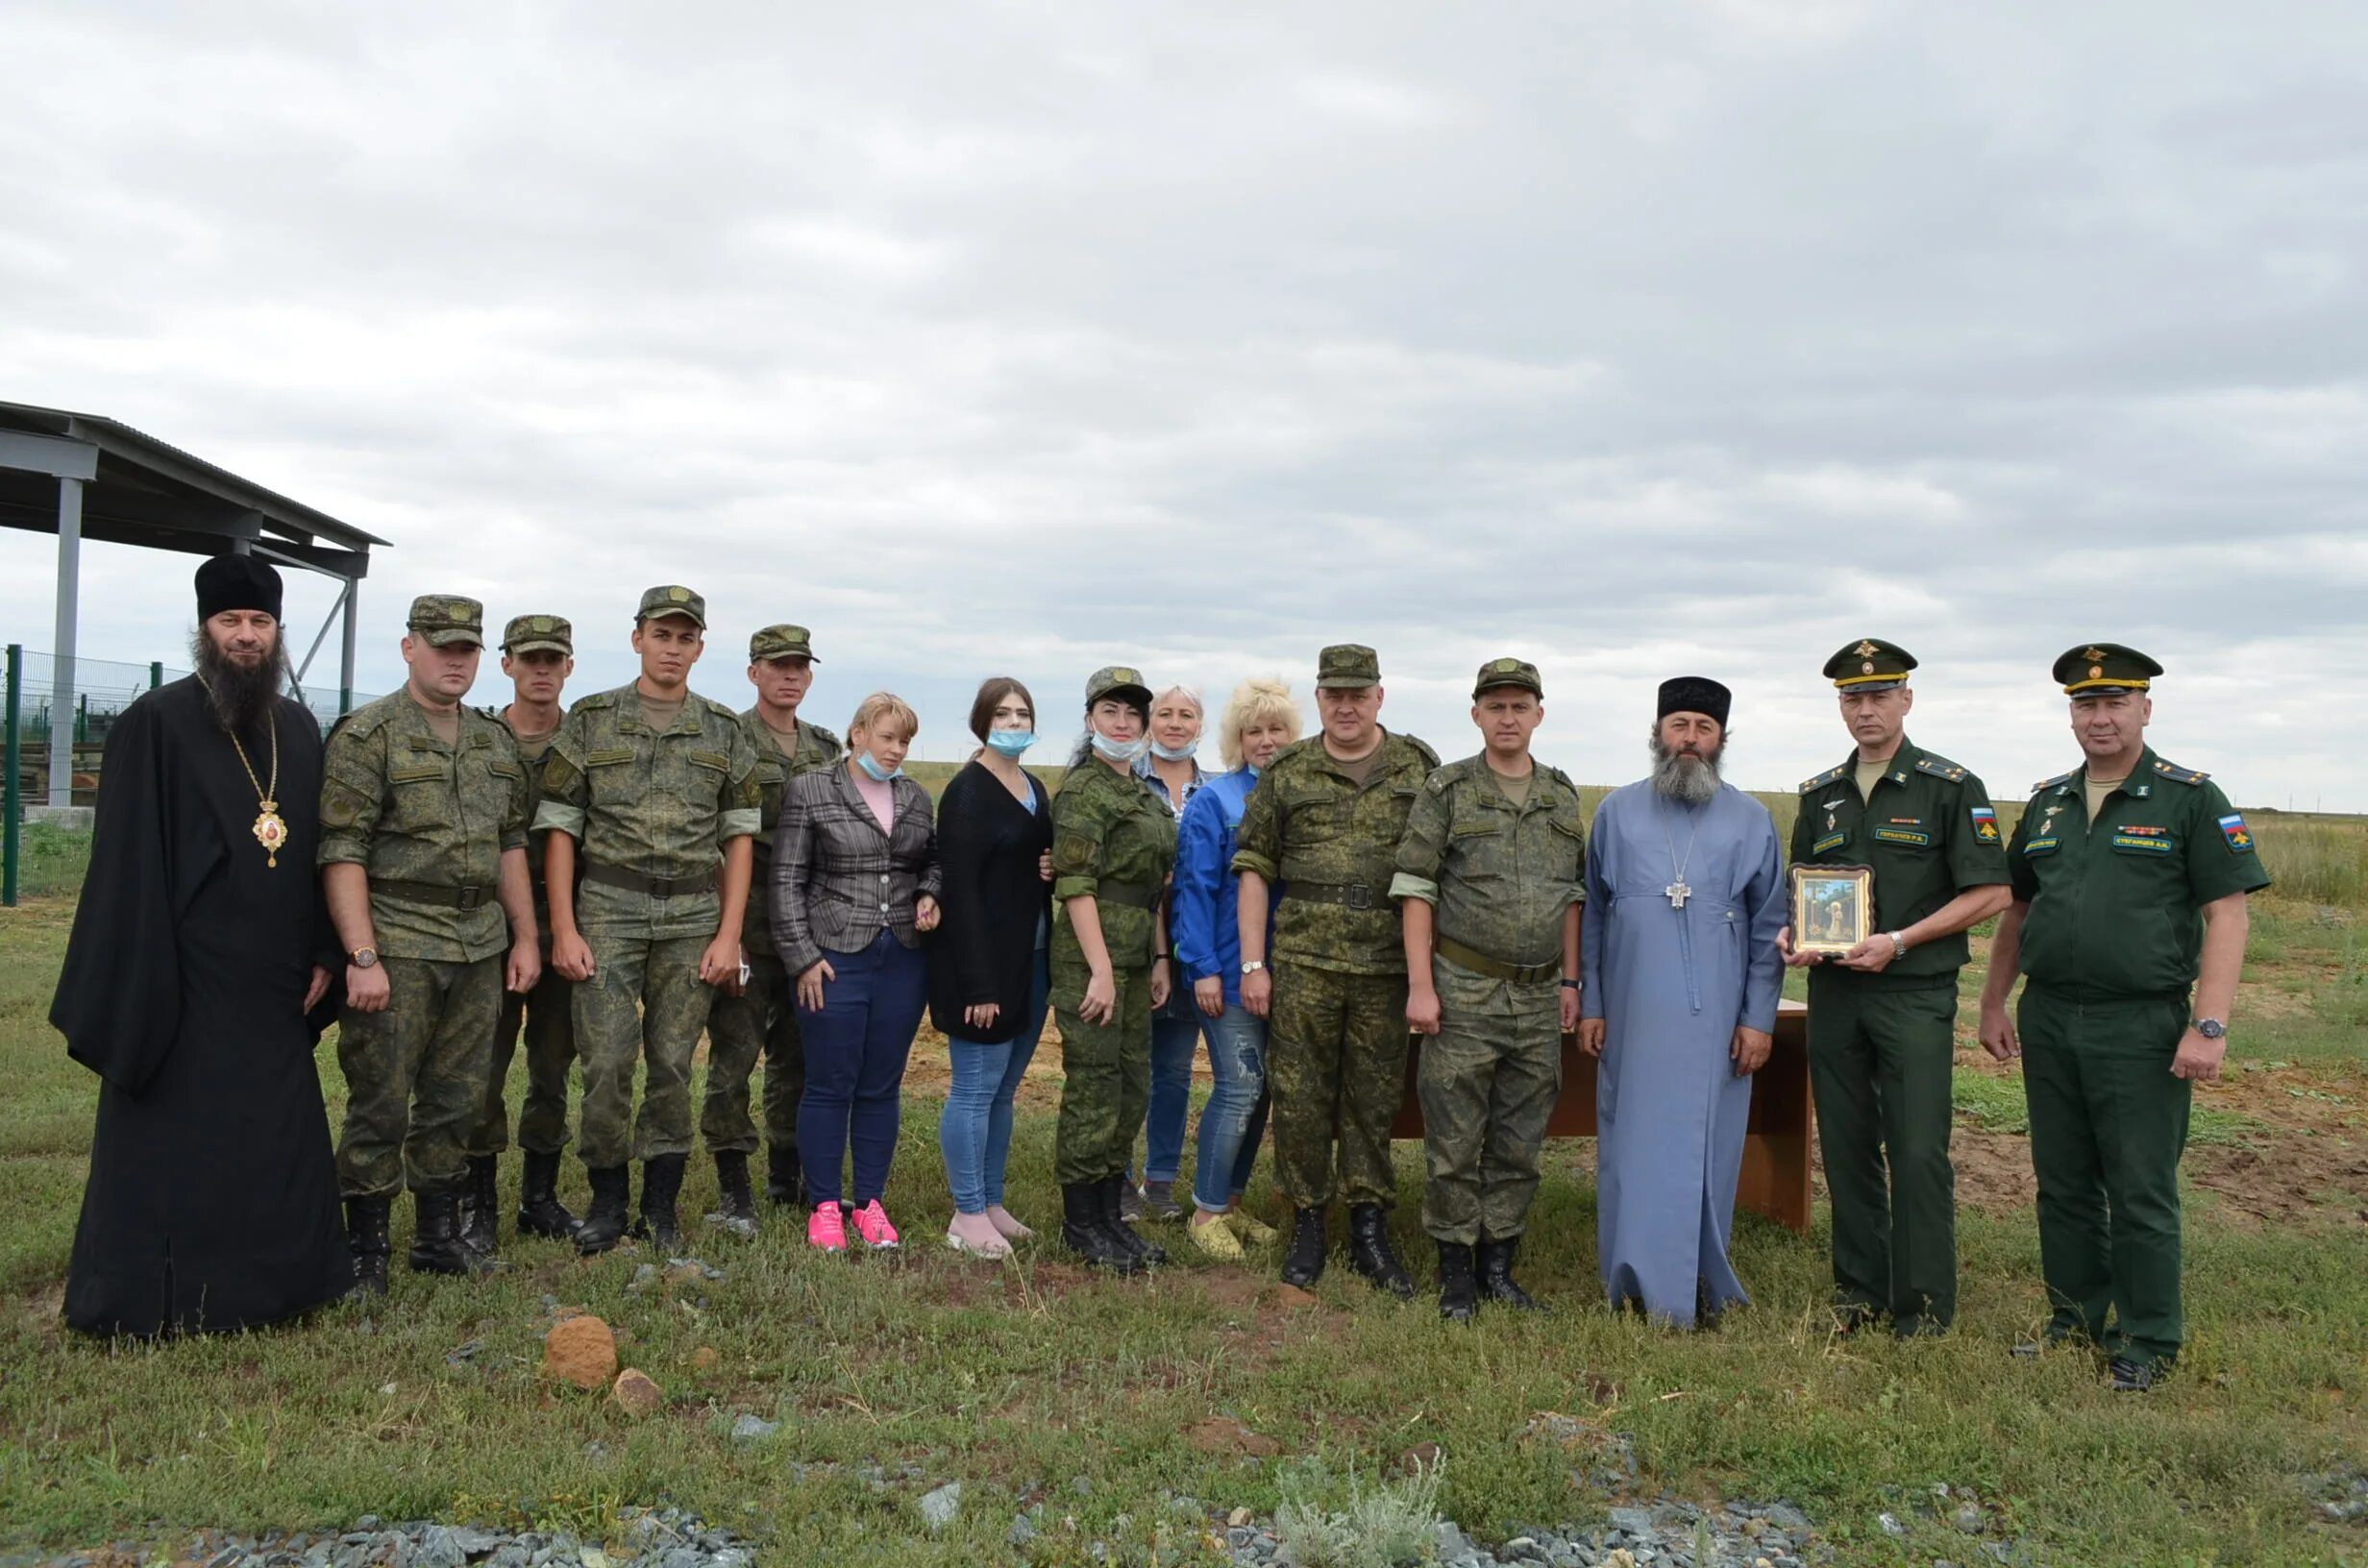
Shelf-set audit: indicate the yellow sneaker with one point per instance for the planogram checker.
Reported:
(1251, 1229)
(1215, 1240)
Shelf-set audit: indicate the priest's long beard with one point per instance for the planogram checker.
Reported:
(1687, 777)
(239, 693)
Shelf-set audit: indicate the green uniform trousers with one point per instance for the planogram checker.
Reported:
(1336, 1060)
(761, 1021)
(645, 1002)
(1880, 1069)
(1105, 1075)
(2108, 1126)
(415, 1076)
(1488, 1083)
(547, 1013)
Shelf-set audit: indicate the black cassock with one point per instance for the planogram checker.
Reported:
(212, 1199)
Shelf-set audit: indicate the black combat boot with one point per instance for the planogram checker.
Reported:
(1496, 1275)
(1458, 1293)
(602, 1225)
(785, 1185)
(481, 1203)
(436, 1246)
(1303, 1263)
(1083, 1232)
(1141, 1251)
(661, 1183)
(1369, 1254)
(366, 1232)
(540, 1212)
(739, 1201)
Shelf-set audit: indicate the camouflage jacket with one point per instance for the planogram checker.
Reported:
(1113, 842)
(1499, 875)
(817, 748)
(531, 753)
(415, 813)
(1308, 822)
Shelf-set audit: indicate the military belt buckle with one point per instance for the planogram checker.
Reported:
(469, 897)
(1360, 897)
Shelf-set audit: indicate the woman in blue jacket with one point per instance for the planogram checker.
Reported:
(1259, 721)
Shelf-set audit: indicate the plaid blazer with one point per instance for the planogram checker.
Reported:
(837, 879)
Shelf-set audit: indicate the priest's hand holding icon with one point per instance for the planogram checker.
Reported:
(1793, 957)
(1750, 1049)
(1591, 1033)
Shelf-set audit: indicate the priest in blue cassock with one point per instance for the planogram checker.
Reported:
(1684, 896)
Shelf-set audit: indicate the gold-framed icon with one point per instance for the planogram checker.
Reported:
(1833, 907)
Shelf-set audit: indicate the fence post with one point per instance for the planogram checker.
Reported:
(156, 674)
(11, 808)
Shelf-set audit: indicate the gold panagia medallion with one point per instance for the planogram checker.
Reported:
(270, 832)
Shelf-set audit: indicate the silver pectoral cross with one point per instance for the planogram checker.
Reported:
(1678, 893)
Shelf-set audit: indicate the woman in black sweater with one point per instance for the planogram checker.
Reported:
(988, 975)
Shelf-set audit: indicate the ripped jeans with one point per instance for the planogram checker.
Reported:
(1234, 1121)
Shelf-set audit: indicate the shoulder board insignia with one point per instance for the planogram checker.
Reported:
(719, 710)
(2177, 774)
(1941, 768)
(1295, 748)
(598, 699)
(2051, 783)
(1422, 750)
(491, 712)
(1823, 779)
(828, 738)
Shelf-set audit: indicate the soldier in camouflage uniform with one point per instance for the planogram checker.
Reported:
(761, 1017)
(1488, 889)
(1325, 823)
(1112, 846)
(538, 653)
(657, 785)
(423, 853)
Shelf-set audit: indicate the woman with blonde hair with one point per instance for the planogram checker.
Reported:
(1171, 769)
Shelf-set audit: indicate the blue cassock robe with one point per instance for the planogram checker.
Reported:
(1671, 986)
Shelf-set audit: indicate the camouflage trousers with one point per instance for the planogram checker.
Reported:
(547, 1013)
(1336, 1061)
(415, 1076)
(762, 1020)
(1105, 1074)
(644, 1003)
(1488, 1082)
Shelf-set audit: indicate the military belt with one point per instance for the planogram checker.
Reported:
(431, 893)
(1347, 895)
(657, 887)
(1496, 969)
(1132, 894)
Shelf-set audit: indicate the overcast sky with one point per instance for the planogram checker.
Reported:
(1635, 339)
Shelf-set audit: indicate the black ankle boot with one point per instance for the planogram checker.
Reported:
(785, 1185)
(1496, 1275)
(366, 1232)
(662, 1184)
(1303, 1263)
(1141, 1251)
(540, 1212)
(1369, 1254)
(604, 1223)
(481, 1204)
(1083, 1232)
(739, 1201)
(1458, 1293)
(436, 1246)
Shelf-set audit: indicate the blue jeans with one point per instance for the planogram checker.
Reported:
(1172, 1044)
(855, 1048)
(974, 1131)
(1234, 1122)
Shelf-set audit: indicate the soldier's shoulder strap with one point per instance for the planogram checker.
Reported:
(492, 710)
(1941, 768)
(828, 739)
(1290, 754)
(1447, 775)
(2046, 784)
(2177, 774)
(1558, 776)
(365, 720)
(1823, 779)
(719, 710)
(593, 703)
(1422, 750)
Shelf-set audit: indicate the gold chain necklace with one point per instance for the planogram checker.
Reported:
(269, 830)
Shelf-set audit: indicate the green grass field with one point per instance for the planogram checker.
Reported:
(890, 1375)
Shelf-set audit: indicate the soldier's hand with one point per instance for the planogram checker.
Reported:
(1872, 956)
(526, 967)
(318, 989)
(1997, 1035)
(366, 989)
(1101, 1002)
(1794, 960)
(1210, 995)
(810, 985)
(1570, 1010)
(572, 956)
(982, 1015)
(1591, 1033)
(1750, 1049)
(2199, 1059)
(1422, 1010)
(1258, 992)
(1161, 984)
(926, 914)
(719, 963)
(1044, 865)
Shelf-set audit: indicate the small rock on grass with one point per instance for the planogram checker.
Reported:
(582, 1351)
(637, 1393)
(938, 1508)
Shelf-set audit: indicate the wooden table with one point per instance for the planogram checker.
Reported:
(1775, 1178)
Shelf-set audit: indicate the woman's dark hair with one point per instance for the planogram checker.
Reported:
(1084, 751)
(991, 693)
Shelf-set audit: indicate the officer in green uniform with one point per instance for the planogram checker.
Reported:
(761, 1017)
(538, 653)
(1881, 1015)
(1325, 823)
(423, 854)
(1489, 893)
(1112, 846)
(2130, 877)
(658, 787)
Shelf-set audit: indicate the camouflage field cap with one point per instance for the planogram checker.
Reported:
(527, 633)
(1869, 665)
(1117, 680)
(1347, 664)
(782, 642)
(447, 618)
(672, 599)
(1508, 672)
(2103, 669)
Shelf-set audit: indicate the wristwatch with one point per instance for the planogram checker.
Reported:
(1573, 984)
(2211, 1028)
(1252, 966)
(363, 957)
(1899, 946)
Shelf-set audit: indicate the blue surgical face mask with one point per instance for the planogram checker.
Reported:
(1010, 742)
(1121, 750)
(1172, 753)
(1253, 768)
(877, 774)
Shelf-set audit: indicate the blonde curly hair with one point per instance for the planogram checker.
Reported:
(1257, 700)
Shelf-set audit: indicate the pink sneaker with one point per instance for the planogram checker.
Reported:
(872, 1224)
(824, 1229)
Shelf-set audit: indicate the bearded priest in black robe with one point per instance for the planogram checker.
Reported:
(195, 986)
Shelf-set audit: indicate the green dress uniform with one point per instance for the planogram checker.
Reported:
(429, 820)
(2112, 941)
(1881, 1047)
(762, 1020)
(1500, 875)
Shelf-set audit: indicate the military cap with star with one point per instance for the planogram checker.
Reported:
(1347, 664)
(1508, 672)
(536, 633)
(782, 642)
(446, 618)
(672, 599)
(1118, 681)
(1869, 665)
(2102, 669)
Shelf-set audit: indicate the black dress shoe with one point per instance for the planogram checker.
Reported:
(2135, 1377)
(1303, 1263)
(1370, 1253)
(1458, 1290)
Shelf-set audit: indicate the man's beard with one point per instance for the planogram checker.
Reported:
(239, 693)
(1689, 779)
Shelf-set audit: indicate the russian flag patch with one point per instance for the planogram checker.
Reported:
(1985, 825)
(2233, 829)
